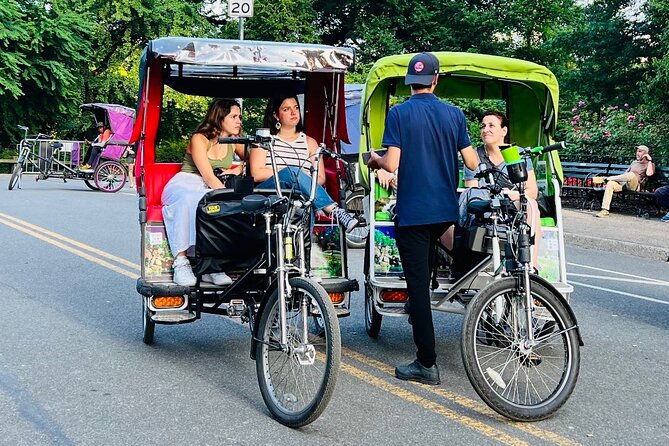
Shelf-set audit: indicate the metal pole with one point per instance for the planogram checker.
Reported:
(241, 28)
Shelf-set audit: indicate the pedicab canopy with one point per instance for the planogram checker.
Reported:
(119, 119)
(244, 69)
(529, 90)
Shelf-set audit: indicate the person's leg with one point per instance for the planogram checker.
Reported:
(534, 220)
(611, 187)
(413, 244)
(131, 175)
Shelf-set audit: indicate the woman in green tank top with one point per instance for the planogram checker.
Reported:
(183, 192)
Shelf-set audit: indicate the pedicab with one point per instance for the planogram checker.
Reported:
(520, 338)
(52, 158)
(261, 238)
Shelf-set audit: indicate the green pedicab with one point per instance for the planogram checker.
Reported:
(521, 318)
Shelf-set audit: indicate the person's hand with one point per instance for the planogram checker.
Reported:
(373, 162)
(385, 178)
(647, 156)
(513, 195)
(86, 141)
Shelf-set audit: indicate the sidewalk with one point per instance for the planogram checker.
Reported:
(624, 234)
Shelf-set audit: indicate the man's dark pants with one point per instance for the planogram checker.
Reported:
(662, 195)
(416, 247)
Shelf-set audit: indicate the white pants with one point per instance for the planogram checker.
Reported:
(180, 198)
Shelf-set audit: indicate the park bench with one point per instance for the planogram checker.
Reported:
(579, 189)
(10, 162)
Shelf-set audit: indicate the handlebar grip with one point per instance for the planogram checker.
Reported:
(233, 140)
(557, 146)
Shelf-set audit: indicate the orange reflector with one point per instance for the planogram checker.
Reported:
(168, 301)
(394, 296)
(336, 298)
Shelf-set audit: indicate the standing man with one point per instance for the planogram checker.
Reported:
(423, 137)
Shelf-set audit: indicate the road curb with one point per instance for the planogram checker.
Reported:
(618, 246)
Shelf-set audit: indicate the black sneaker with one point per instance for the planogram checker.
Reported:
(345, 219)
(415, 371)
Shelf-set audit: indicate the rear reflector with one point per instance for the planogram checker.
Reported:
(167, 301)
(336, 298)
(394, 296)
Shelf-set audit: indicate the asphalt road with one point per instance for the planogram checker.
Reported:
(74, 370)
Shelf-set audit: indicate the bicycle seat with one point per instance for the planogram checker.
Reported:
(257, 204)
(56, 145)
(479, 207)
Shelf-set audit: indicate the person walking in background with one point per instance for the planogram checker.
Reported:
(662, 196)
(640, 168)
(423, 136)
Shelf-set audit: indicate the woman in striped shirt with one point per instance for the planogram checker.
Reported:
(295, 155)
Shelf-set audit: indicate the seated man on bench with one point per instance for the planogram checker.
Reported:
(640, 168)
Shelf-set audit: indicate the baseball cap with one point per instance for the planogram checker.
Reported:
(100, 124)
(422, 68)
(642, 147)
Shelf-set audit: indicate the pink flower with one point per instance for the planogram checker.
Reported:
(606, 134)
(577, 118)
(627, 105)
(587, 137)
(581, 103)
(640, 126)
(614, 107)
(573, 110)
(631, 118)
(574, 122)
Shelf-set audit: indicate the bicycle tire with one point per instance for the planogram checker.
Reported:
(110, 176)
(278, 370)
(354, 204)
(148, 326)
(16, 174)
(372, 317)
(519, 386)
(91, 184)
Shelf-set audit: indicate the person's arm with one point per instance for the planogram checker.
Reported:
(531, 187)
(198, 150)
(386, 179)
(390, 161)
(258, 162)
(650, 168)
(313, 148)
(470, 157)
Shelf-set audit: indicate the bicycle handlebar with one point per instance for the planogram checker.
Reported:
(541, 150)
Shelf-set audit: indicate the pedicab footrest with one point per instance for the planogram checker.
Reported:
(339, 285)
(148, 289)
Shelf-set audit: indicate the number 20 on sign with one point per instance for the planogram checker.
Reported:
(240, 8)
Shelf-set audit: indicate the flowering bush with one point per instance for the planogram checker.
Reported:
(611, 133)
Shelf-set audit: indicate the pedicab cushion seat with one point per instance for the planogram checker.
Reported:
(157, 176)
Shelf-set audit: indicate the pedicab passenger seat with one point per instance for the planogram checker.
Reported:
(159, 174)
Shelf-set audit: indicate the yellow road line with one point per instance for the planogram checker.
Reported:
(464, 401)
(83, 246)
(479, 426)
(132, 275)
(406, 395)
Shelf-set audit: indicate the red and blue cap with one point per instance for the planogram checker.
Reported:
(422, 68)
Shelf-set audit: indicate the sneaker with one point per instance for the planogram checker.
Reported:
(665, 218)
(85, 167)
(602, 213)
(415, 371)
(345, 219)
(183, 273)
(219, 279)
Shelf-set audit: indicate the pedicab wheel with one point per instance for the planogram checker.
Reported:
(110, 176)
(297, 381)
(357, 238)
(91, 185)
(16, 174)
(148, 325)
(372, 317)
(520, 383)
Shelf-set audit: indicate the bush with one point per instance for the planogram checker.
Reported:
(611, 133)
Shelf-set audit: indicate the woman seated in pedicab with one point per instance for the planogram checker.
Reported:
(295, 154)
(95, 150)
(183, 192)
(494, 133)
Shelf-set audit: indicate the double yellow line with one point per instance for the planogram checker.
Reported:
(85, 251)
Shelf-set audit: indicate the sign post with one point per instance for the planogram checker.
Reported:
(240, 9)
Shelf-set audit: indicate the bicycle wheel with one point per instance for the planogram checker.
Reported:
(524, 384)
(148, 326)
(91, 184)
(16, 174)
(355, 205)
(110, 176)
(372, 317)
(297, 382)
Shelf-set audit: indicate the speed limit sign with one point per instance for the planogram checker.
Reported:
(240, 8)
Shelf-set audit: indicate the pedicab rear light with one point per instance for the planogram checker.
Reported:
(394, 295)
(336, 298)
(167, 301)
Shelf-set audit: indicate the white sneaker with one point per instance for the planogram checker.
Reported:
(219, 279)
(183, 273)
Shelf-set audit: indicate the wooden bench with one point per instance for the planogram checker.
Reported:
(578, 186)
